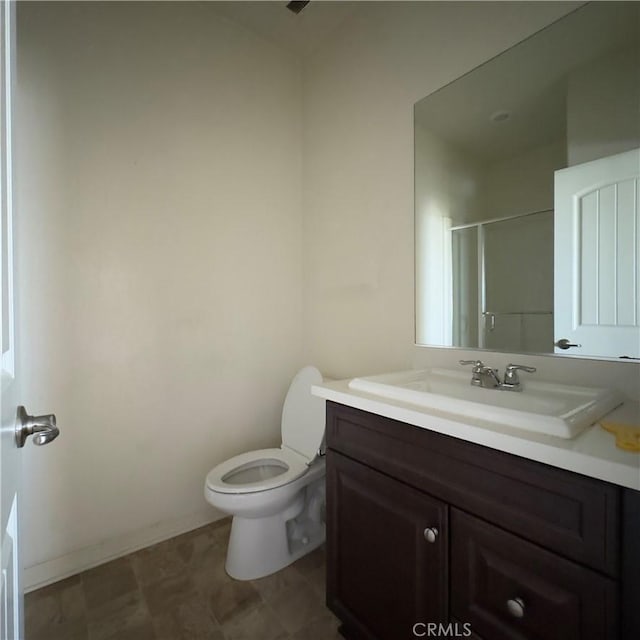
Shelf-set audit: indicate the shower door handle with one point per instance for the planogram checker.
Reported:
(489, 320)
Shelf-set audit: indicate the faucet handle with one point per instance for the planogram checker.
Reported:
(482, 375)
(511, 374)
(520, 367)
(477, 364)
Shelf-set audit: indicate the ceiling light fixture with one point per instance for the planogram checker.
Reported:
(499, 116)
(297, 7)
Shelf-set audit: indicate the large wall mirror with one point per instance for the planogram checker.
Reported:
(527, 195)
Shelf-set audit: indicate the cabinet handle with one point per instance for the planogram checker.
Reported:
(430, 534)
(515, 607)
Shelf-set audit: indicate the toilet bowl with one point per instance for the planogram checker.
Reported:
(276, 496)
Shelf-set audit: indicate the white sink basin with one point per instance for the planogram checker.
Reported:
(559, 410)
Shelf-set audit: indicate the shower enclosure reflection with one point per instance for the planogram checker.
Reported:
(502, 283)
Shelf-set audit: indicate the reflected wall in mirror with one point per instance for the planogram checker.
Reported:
(527, 192)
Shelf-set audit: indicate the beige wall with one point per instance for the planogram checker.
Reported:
(522, 184)
(598, 126)
(160, 269)
(446, 194)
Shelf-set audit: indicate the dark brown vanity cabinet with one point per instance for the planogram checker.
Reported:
(424, 529)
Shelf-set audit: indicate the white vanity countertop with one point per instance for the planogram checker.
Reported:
(593, 453)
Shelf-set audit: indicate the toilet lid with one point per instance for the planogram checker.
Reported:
(303, 415)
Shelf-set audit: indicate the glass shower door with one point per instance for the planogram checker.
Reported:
(517, 295)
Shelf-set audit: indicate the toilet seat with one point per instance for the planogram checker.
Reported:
(302, 428)
(220, 478)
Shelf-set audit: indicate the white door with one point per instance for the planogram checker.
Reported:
(11, 600)
(597, 257)
(16, 425)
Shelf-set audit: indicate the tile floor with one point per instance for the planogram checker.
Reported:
(178, 590)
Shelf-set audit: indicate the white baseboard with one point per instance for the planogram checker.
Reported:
(44, 573)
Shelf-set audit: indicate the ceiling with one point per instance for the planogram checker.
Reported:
(301, 33)
(529, 81)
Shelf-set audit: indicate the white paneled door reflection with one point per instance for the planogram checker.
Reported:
(597, 256)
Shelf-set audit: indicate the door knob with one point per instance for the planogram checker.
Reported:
(563, 343)
(42, 428)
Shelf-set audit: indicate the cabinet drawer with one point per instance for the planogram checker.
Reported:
(510, 589)
(573, 515)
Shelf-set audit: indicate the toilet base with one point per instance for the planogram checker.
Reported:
(259, 547)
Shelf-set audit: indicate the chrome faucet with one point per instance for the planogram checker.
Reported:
(488, 378)
(483, 376)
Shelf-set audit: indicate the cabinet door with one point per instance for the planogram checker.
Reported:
(386, 552)
(510, 589)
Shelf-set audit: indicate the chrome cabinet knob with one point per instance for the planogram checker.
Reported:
(515, 607)
(430, 534)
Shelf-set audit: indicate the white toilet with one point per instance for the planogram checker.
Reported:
(276, 496)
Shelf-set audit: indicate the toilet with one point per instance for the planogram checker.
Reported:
(276, 496)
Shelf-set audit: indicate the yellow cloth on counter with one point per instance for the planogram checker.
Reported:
(627, 436)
